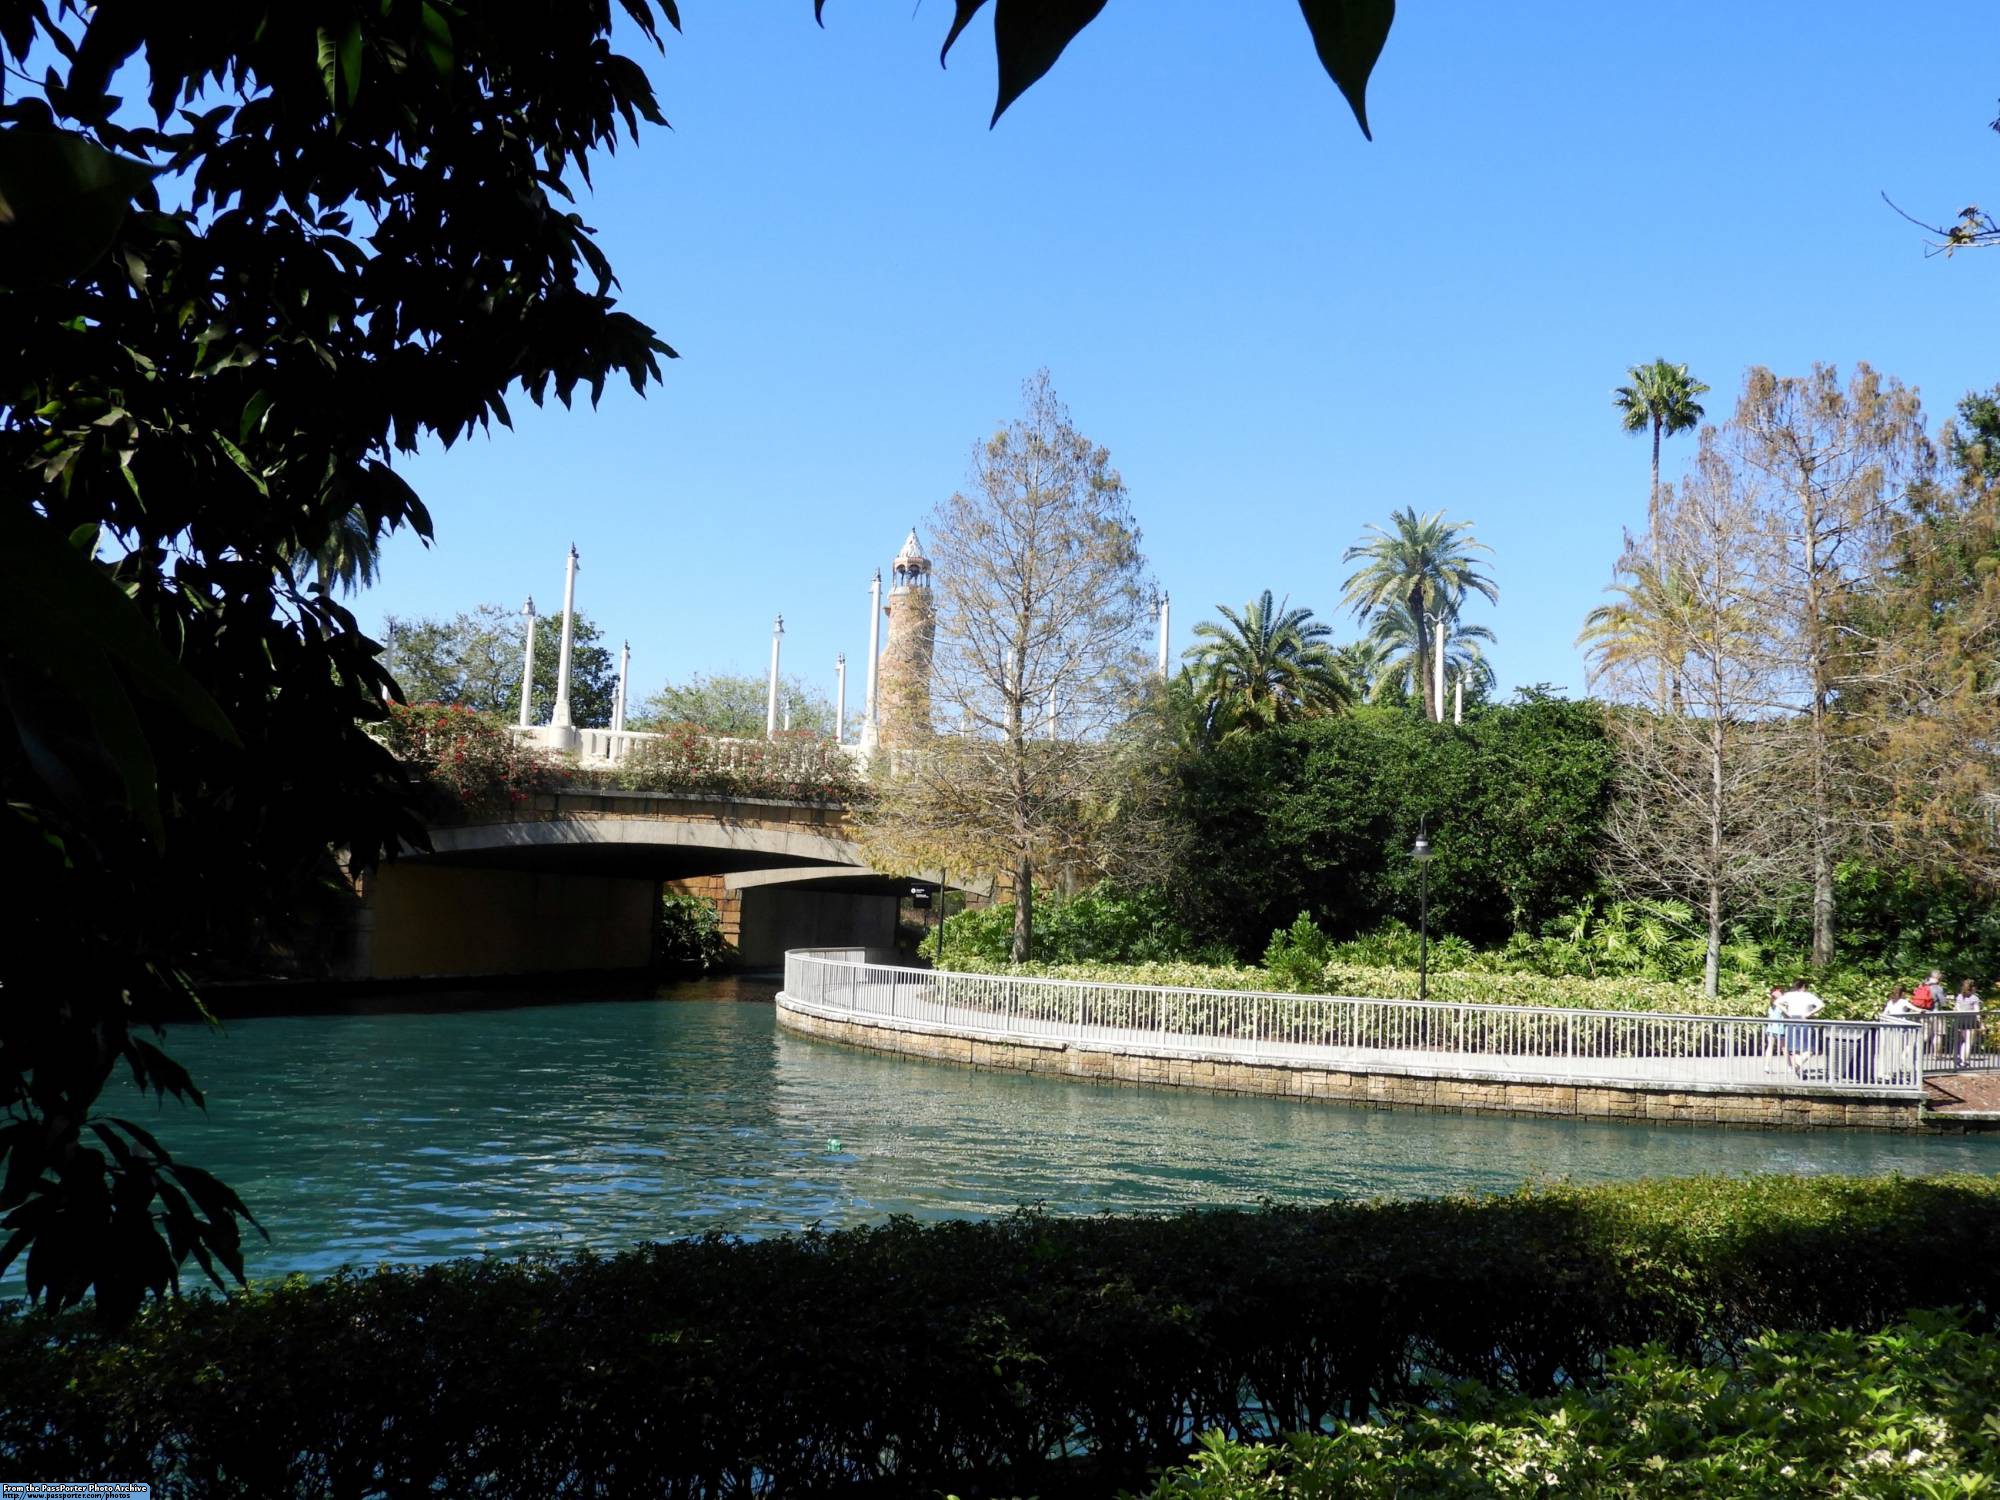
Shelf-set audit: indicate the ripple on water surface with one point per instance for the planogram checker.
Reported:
(419, 1135)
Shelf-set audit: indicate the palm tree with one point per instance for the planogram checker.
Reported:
(346, 558)
(1266, 666)
(1403, 651)
(1422, 564)
(1648, 622)
(1661, 397)
(1361, 662)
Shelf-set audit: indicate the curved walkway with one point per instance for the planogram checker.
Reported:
(1391, 1053)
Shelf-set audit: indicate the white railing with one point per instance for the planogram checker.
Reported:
(1494, 1042)
(723, 752)
(1956, 1042)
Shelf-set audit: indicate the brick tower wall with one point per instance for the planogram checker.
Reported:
(904, 684)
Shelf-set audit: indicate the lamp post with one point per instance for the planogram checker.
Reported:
(1421, 852)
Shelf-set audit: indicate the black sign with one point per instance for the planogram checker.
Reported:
(920, 897)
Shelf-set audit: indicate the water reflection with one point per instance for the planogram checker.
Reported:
(415, 1135)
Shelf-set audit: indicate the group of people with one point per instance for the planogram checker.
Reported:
(1788, 1009)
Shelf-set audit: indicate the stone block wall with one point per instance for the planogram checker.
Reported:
(1757, 1110)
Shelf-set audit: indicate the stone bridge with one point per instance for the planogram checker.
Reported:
(570, 881)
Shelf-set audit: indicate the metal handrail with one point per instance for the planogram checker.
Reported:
(1469, 1039)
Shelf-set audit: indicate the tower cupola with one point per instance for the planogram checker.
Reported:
(911, 569)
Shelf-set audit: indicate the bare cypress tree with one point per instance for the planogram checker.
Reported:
(1043, 624)
(1701, 812)
(1834, 467)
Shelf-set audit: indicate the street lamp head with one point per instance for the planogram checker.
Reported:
(1421, 849)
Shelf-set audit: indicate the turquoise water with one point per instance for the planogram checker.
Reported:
(411, 1135)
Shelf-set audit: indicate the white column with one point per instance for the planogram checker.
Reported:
(1440, 630)
(1458, 700)
(624, 679)
(1052, 716)
(771, 696)
(874, 649)
(840, 699)
(1165, 609)
(528, 662)
(561, 718)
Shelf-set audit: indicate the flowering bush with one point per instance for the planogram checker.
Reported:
(797, 766)
(478, 764)
(472, 759)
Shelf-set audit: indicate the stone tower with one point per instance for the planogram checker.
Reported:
(905, 686)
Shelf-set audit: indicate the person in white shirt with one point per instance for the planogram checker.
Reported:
(1967, 1005)
(1799, 1004)
(1896, 1055)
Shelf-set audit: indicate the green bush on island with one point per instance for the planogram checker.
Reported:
(1906, 1411)
(1616, 955)
(1105, 924)
(1018, 1356)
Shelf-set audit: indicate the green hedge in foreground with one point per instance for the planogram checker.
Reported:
(1022, 1356)
(1910, 1411)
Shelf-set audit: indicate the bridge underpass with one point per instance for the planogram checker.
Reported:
(571, 883)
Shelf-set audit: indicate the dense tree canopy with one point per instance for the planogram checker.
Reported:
(1319, 816)
(730, 703)
(474, 661)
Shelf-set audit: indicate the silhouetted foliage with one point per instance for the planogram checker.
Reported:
(371, 245)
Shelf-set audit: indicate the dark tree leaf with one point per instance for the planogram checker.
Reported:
(1348, 35)
(967, 9)
(1029, 35)
(62, 200)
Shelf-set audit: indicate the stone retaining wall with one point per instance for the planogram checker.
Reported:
(1230, 1075)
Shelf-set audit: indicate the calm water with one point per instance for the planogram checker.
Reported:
(414, 1135)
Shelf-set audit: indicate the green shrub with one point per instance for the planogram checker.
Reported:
(1907, 1411)
(687, 934)
(1105, 924)
(1020, 1356)
(1468, 986)
(1297, 955)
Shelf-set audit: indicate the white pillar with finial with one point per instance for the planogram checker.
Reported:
(840, 699)
(624, 679)
(1165, 609)
(561, 718)
(872, 725)
(1440, 667)
(771, 697)
(528, 664)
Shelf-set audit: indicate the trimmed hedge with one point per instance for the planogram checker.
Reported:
(1908, 1411)
(1028, 1355)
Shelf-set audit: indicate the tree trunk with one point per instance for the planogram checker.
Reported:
(1819, 666)
(1653, 497)
(1711, 972)
(1024, 909)
(1663, 701)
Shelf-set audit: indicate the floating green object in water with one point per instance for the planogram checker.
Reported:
(833, 1143)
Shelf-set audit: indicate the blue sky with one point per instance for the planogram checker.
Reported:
(1280, 330)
